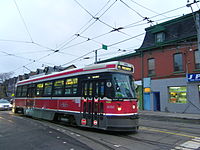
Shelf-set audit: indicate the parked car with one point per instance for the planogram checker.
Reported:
(5, 104)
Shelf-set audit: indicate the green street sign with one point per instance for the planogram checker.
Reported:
(104, 47)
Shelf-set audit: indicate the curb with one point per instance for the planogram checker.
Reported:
(169, 118)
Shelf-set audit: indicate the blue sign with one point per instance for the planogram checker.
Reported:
(193, 77)
(147, 82)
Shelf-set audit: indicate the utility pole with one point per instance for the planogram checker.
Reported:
(198, 31)
(196, 21)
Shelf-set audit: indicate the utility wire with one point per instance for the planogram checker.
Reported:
(132, 9)
(23, 20)
(17, 41)
(84, 8)
(144, 18)
(146, 8)
(155, 16)
(94, 17)
(78, 58)
(100, 48)
(125, 40)
(88, 26)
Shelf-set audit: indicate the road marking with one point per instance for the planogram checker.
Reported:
(167, 132)
(117, 146)
(189, 145)
(6, 120)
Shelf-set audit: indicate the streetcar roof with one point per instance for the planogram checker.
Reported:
(90, 69)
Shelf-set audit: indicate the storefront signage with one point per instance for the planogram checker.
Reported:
(193, 77)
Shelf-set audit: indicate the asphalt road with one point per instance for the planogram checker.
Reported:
(21, 133)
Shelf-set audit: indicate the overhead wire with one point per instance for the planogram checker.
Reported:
(132, 9)
(23, 21)
(17, 41)
(146, 8)
(93, 17)
(86, 25)
(96, 18)
(100, 48)
(127, 26)
(70, 40)
(77, 58)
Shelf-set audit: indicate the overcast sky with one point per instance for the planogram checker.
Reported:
(39, 33)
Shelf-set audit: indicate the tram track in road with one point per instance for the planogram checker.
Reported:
(73, 132)
(160, 145)
(98, 140)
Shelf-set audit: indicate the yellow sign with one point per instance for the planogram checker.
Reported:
(125, 68)
(147, 90)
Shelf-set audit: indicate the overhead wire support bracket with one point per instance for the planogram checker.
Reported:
(117, 29)
(190, 4)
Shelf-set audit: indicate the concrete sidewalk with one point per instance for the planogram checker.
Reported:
(166, 116)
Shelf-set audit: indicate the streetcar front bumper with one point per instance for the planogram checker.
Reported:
(122, 123)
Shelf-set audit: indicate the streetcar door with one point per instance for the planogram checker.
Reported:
(92, 105)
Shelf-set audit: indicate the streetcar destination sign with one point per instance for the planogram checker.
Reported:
(193, 77)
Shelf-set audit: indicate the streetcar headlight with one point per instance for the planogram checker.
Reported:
(119, 108)
(133, 106)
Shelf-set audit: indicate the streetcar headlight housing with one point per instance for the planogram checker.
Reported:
(119, 108)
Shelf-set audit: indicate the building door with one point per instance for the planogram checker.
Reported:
(147, 103)
(156, 101)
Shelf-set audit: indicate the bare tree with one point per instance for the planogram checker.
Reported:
(3, 78)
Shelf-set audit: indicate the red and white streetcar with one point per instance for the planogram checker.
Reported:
(97, 96)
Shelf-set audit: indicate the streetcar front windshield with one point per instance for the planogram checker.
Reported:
(123, 86)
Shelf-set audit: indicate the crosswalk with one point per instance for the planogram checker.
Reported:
(193, 144)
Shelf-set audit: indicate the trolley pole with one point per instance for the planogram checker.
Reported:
(95, 57)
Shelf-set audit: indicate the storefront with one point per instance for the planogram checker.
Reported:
(176, 95)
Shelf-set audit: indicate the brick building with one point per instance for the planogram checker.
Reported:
(168, 63)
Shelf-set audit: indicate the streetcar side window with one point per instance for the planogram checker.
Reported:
(31, 90)
(24, 91)
(99, 89)
(71, 86)
(58, 88)
(102, 89)
(85, 90)
(90, 89)
(47, 88)
(39, 89)
(18, 92)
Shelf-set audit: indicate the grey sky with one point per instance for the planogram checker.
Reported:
(32, 30)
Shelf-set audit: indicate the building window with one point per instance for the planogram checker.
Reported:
(178, 94)
(178, 62)
(151, 66)
(159, 37)
(197, 59)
